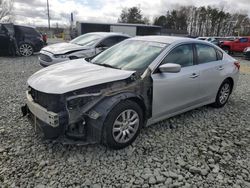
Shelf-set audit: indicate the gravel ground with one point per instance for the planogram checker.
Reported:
(205, 147)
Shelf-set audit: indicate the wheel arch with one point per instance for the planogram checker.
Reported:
(25, 42)
(230, 79)
(105, 106)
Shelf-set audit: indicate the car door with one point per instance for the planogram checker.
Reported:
(4, 40)
(174, 92)
(211, 67)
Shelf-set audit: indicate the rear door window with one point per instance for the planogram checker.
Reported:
(205, 53)
(28, 31)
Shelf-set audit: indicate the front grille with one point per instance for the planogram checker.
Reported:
(52, 102)
(45, 57)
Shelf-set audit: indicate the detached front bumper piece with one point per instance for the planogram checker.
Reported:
(48, 122)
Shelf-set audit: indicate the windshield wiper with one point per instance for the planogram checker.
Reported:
(107, 65)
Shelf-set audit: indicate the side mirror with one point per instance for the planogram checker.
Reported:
(170, 67)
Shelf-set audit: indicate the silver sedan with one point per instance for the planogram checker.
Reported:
(135, 83)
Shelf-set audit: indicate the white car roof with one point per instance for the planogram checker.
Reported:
(163, 39)
(106, 34)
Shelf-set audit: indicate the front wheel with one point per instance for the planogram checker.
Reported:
(26, 50)
(123, 124)
(223, 94)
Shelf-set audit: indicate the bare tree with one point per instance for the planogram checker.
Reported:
(6, 10)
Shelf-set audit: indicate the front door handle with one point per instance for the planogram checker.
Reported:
(194, 75)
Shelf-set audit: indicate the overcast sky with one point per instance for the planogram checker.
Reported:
(34, 12)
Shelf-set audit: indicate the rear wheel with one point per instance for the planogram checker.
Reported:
(26, 50)
(123, 124)
(223, 94)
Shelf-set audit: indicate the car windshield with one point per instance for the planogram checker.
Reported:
(130, 55)
(86, 40)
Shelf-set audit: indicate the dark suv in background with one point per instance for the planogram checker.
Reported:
(27, 39)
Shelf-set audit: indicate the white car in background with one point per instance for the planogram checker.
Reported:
(84, 46)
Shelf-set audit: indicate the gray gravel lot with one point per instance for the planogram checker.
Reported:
(205, 147)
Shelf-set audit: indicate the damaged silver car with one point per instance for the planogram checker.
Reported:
(133, 84)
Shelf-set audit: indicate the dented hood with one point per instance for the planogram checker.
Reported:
(64, 47)
(73, 75)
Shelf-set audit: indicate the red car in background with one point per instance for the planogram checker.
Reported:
(237, 45)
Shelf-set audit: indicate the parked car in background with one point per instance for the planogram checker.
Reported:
(237, 45)
(213, 40)
(137, 82)
(246, 53)
(26, 39)
(84, 46)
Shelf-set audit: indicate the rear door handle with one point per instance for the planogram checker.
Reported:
(194, 75)
(220, 68)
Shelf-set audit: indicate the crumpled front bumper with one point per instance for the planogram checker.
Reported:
(55, 126)
(50, 124)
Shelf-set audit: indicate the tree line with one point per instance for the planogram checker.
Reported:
(197, 21)
(6, 10)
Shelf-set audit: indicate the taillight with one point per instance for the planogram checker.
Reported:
(237, 64)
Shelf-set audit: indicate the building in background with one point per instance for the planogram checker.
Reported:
(130, 29)
(174, 32)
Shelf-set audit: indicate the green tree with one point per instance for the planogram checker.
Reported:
(132, 15)
(161, 21)
(6, 9)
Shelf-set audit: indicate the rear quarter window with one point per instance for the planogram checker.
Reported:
(205, 53)
(219, 55)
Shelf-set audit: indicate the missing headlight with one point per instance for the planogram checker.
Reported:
(78, 102)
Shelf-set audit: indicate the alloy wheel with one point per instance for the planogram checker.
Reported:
(26, 50)
(224, 93)
(125, 126)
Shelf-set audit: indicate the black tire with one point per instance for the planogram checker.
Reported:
(219, 102)
(113, 116)
(226, 49)
(26, 49)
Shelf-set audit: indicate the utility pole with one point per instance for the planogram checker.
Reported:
(48, 14)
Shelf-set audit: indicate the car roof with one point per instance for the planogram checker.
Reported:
(163, 39)
(18, 25)
(106, 34)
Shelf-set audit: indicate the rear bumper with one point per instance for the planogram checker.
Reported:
(38, 46)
